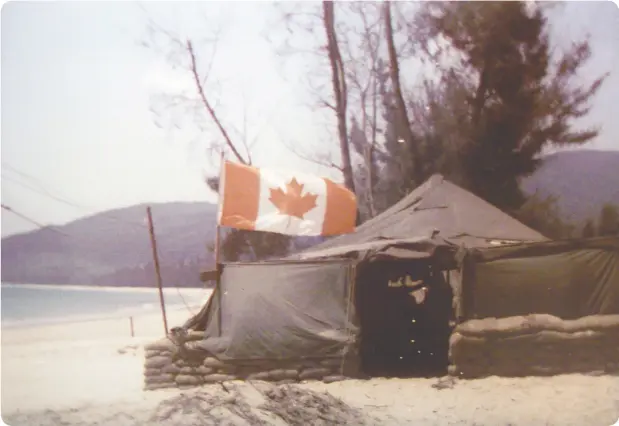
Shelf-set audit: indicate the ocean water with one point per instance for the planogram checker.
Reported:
(29, 304)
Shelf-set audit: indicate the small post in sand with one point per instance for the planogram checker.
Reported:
(131, 326)
(153, 241)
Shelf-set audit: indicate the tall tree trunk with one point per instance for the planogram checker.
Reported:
(480, 100)
(339, 90)
(394, 69)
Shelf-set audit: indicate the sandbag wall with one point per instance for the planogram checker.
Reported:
(168, 365)
(532, 345)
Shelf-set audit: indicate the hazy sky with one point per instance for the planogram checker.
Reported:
(77, 92)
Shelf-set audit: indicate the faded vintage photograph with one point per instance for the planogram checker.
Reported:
(309, 213)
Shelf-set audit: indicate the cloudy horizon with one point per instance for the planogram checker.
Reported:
(77, 95)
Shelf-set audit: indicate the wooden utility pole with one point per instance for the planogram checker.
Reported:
(153, 241)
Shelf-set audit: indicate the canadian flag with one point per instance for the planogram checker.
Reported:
(284, 202)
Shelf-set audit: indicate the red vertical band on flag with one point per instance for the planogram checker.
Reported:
(341, 210)
(241, 193)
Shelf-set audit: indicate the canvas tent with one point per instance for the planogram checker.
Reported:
(434, 221)
(331, 297)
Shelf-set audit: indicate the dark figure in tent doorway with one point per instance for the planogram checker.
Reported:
(407, 293)
(417, 323)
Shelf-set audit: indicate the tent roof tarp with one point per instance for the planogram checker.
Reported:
(438, 208)
(404, 248)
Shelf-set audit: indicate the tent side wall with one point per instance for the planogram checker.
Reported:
(564, 280)
(277, 321)
(539, 309)
(285, 310)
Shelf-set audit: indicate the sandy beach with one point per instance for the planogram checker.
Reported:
(91, 374)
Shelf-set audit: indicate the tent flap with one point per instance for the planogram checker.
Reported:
(563, 280)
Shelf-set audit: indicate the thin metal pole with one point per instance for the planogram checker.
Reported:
(131, 326)
(153, 241)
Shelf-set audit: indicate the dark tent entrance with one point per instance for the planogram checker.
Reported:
(395, 313)
(404, 309)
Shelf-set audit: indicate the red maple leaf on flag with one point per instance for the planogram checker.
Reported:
(290, 202)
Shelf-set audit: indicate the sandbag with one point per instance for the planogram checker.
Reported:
(218, 378)
(203, 371)
(262, 375)
(285, 382)
(314, 373)
(171, 369)
(187, 380)
(165, 344)
(280, 374)
(155, 386)
(161, 378)
(188, 370)
(213, 362)
(503, 327)
(593, 322)
(333, 378)
(331, 362)
(157, 361)
(490, 327)
(153, 371)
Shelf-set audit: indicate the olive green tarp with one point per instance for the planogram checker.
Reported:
(441, 251)
(568, 279)
(281, 310)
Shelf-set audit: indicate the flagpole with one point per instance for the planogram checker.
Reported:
(153, 242)
(218, 269)
(217, 227)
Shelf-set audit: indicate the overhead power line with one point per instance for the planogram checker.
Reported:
(42, 191)
(32, 221)
(23, 175)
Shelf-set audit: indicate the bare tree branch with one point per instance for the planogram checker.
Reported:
(315, 158)
(208, 106)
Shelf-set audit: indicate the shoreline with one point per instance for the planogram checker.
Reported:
(78, 319)
(119, 288)
(191, 299)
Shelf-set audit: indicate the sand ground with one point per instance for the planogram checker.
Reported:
(91, 373)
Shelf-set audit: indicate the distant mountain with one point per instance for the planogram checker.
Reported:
(114, 245)
(583, 181)
(113, 248)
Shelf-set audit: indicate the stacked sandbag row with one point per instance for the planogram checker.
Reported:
(535, 345)
(166, 365)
